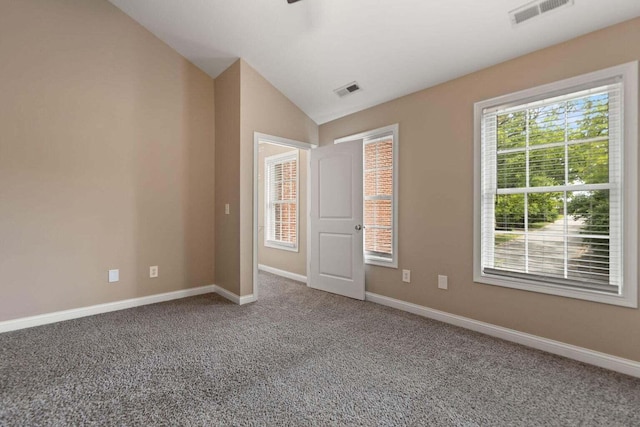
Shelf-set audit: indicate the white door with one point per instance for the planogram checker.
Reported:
(337, 260)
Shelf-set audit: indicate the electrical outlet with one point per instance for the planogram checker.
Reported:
(443, 282)
(114, 276)
(406, 276)
(226, 209)
(153, 271)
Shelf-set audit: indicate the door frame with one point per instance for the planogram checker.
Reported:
(270, 139)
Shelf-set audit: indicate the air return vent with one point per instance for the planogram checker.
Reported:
(547, 5)
(537, 8)
(347, 89)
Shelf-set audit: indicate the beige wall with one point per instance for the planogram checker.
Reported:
(227, 169)
(262, 109)
(106, 159)
(294, 262)
(436, 197)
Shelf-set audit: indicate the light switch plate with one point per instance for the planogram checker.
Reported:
(226, 208)
(114, 276)
(443, 282)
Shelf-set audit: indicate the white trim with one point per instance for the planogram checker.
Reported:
(277, 140)
(283, 273)
(248, 299)
(257, 138)
(380, 261)
(393, 130)
(76, 313)
(630, 166)
(368, 134)
(236, 299)
(629, 294)
(227, 295)
(581, 354)
(274, 244)
(308, 217)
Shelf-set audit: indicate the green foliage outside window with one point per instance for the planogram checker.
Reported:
(581, 120)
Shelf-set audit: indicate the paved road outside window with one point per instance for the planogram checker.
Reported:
(546, 249)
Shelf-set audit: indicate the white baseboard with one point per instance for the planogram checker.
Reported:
(283, 273)
(76, 313)
(247, 299)
(59, 316)
(233, 297)
(603, 360)
(227, 294)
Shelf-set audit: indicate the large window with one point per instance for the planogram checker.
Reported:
(556, 188)
(380, 182)
(281, 196)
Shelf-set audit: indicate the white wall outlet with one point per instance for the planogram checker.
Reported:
(226, 209)
(114, 276)
(153, 271)
(406, 276)
(443, 282)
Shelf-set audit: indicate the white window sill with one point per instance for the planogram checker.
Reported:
(380, 262)
(281, 246)
(559, 290)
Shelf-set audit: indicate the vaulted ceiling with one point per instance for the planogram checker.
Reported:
(390, 47)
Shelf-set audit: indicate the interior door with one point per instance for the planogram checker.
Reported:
(337, 260)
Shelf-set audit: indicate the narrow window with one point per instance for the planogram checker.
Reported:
(380, 192)
(378, 197)
(281, 195)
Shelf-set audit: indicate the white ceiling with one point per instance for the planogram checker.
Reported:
(391, 47)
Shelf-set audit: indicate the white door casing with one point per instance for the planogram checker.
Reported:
(337, 256)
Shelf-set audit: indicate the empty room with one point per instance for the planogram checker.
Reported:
(319, 212)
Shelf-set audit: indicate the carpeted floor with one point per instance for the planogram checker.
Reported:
(297, 357)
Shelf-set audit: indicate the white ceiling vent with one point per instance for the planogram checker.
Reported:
(347, 89)
(536, 8)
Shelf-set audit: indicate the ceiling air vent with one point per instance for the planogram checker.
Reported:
(531, 10)
(524, 14)
(547, 5)
(347, 89)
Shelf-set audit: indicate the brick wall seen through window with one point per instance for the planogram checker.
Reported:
(282, 200)
(378, 196)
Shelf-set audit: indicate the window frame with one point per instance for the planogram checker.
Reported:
(371, 135)
(628, 295)
(272, 161)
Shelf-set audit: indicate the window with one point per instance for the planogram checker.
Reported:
(378, 197)
(556, 188)
(380, 154)
(281, 196)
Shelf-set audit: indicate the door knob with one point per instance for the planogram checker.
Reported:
(358, 227)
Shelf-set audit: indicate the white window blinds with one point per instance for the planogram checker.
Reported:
(281, 195)
(378, 196)
(380, 192)
(551, 189)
